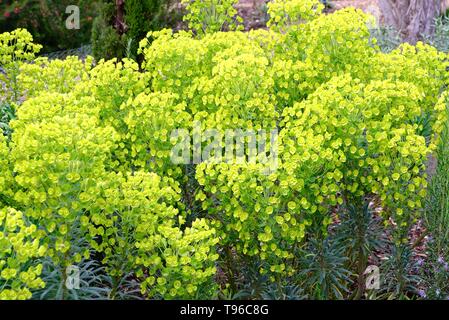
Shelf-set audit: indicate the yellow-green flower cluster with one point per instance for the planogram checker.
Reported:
(441, 110)
(6, 178)
(186, 266)
(150, 120)
(312, 53)
(143, 233)
(370, 138)
(19, 247)
(352, 122)
(422, 65)
(251, 212)
(58, 165)
(52, 75)
(285, 13)
(72, 165)
(211, 15)
(16, 47)
(90, 153)
(112, 85)
(221, 81)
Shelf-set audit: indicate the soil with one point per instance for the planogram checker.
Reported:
(253, 12)
(365, 5)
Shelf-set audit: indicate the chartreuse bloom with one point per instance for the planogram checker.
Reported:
(52, 75)
(19, 248)
(142, 232)
(59, 162)
(285, 13)
(6, 177)
(16, 48)
(212, 15)
(384, 152)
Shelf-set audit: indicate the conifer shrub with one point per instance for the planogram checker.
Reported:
(140, 17)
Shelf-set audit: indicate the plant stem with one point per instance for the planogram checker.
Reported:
(230, 268)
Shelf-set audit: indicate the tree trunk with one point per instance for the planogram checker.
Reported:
(119, 24)
(414, 19)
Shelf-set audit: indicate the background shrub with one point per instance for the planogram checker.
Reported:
(45, 20)
(140, 17)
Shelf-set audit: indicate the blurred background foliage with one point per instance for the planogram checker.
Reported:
(116, 36)
(45, 20)
(99, 34)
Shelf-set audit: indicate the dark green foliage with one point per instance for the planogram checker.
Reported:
(106, 42)
(398, 279)
(436, 218)
(324, 271)
(7, 113)
(251, 284)
(94, 281)
(288, 291)
(94, 284)
(45, 20)
(360, 233)
(140, 17)
(436, 215)
(91, 285)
